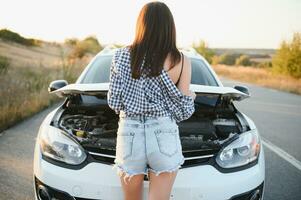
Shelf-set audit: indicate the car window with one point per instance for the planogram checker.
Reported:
(99, 72)
(200, 73)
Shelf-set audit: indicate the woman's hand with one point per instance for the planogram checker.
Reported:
(192, 94)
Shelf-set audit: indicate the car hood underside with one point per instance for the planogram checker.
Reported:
(102, 88)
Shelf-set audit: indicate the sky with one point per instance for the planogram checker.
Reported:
(220, 23)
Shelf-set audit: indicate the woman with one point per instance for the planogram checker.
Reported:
(149, 89)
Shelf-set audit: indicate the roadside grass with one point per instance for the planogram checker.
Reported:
(260, 76)
(24, 92)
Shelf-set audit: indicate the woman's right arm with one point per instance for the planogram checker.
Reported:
(185, 78)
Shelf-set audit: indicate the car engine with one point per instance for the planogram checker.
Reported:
(98, 129)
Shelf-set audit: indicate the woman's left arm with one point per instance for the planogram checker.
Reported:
(114, 97)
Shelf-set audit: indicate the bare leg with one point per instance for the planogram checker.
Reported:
(160, 186)
(133, 188)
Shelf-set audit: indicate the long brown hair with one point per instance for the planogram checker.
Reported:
(155, 37)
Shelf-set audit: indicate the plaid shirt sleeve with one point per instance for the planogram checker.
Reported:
(183, 105)
(187, 107)
(115, 86)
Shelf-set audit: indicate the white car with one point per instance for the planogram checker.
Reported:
(75, 146)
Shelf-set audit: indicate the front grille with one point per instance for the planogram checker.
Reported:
(192, 158)
(103, 158)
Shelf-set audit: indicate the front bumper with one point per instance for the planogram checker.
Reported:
(99, 181)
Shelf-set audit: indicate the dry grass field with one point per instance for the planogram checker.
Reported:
(28, 72)
(262, 77)
(47, 55)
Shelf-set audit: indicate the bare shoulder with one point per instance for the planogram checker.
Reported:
(187, 63)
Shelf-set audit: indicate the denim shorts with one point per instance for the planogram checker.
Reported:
(147, 143)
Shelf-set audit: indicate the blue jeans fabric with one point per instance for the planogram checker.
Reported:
(147, 143)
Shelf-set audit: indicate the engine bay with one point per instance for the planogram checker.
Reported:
(203, 130)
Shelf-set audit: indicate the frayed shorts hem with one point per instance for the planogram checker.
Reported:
(121, 170)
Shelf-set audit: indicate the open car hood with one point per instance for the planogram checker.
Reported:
(98, 88)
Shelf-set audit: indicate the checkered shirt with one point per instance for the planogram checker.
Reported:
(148, 96)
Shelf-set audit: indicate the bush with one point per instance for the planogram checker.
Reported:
(243, 60)
(8, 35)
(4, 65)
(92, 44)
(266, 65)
(71, 41)
(227, 59)
(288, 57)
(203, 49)
(81, 48)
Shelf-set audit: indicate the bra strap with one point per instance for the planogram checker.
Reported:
(181, 68)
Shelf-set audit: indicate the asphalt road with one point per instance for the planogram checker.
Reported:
(276, 114)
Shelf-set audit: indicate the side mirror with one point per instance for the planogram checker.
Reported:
(243, 89)
(54, 85)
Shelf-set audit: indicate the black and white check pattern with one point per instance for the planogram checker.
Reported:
(148, 96)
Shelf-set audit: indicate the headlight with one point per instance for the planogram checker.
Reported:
(56, 145)
(241, 151)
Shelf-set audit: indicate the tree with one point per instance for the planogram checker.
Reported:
(92, 44)
(288, 57)
(202, 48)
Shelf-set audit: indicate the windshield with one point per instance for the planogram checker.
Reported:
(99, 72)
